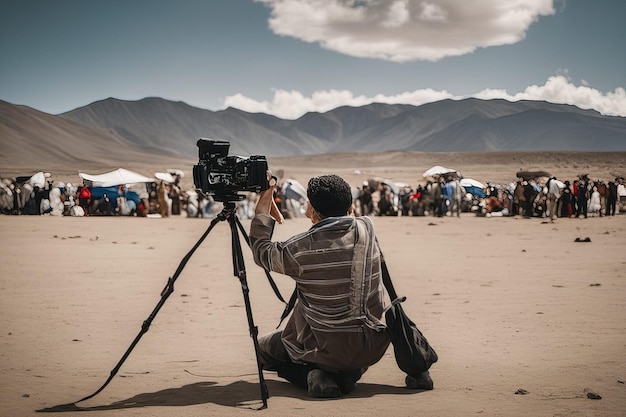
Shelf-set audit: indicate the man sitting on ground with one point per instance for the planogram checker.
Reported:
(335, 331)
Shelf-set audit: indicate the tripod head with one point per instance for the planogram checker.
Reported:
(229, 207)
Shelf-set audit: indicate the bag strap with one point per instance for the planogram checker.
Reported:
(289, 306)
(387, 281)
(389, 286)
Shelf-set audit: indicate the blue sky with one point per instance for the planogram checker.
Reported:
(287, 57)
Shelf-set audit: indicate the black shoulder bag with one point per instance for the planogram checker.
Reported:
(414, 355)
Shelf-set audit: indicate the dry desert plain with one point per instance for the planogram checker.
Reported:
(526, 321)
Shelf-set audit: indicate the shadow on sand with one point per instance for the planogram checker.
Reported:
(238, 394)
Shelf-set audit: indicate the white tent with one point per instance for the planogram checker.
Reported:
(438, 170)
(294, 197)
(119, 176)
(39, 179)
(170, 175)
(468, 182)
(165, 176)
(294, 190)
(394, 186)
(175, 171)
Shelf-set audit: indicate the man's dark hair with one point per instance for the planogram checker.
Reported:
(330, 195)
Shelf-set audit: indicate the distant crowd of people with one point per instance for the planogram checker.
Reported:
(528, 197)
(581, 197)
(444, 196)
(39, 195)
(441, 196)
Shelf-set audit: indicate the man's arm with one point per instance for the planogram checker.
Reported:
(262, 228)
(266, 203)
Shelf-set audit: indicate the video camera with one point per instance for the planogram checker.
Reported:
(223, 175)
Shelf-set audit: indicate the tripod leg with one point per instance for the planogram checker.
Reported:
(240, 272)
(165, 293)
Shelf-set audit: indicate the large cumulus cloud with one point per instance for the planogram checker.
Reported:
(406, 30)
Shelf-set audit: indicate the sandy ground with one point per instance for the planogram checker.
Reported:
(509, 303)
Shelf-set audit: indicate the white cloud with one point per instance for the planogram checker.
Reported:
(293, 104)
(557, 89)
(250, 105)
(406, 30)
(398, 15)
(432, 11)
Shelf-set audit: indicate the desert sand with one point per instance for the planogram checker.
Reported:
(526, 321)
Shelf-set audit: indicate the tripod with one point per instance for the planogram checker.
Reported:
(239, 270)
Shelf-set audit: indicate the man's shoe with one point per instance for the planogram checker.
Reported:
(423, 381)
(321, 385)
(346, 380)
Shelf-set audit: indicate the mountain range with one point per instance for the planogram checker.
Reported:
(116, 130)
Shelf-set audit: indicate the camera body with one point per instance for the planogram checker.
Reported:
(223, 175)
